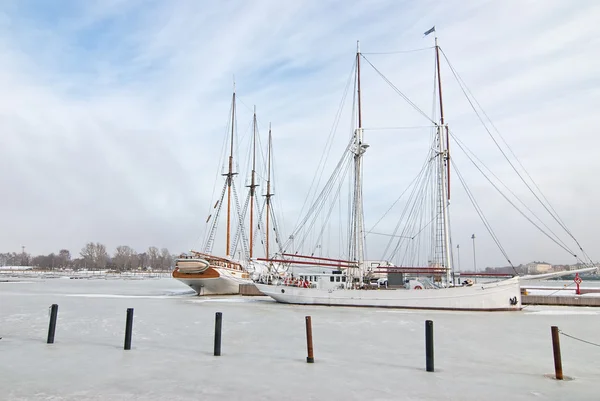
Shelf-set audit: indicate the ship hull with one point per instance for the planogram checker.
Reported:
(214, 281)
(500, 296)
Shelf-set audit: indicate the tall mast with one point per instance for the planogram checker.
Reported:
(358, 85)
(439, 77)
(230, 174)
(253, 184)
(444, 163)
(269, 194)
(359, 149)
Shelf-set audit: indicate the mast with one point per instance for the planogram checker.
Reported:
(253, 184)
(444, 164)
(359, 149)
(230, 175)
(439, 77)
(269, 194)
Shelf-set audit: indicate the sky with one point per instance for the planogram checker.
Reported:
(113, 113)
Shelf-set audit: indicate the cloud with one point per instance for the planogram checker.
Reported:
(114, 112)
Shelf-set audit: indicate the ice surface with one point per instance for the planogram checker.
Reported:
(361, 354)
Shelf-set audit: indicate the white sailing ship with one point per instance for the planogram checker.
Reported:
(347, 282)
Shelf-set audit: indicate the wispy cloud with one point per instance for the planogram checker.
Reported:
(112, 111)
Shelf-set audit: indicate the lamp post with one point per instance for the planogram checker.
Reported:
(474, 258)
(458, 253)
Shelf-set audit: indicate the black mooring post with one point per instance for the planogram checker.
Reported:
(52, 326)
(429, 345)
(218, 326)
(128, 328)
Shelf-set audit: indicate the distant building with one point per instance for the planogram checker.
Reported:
(538, 268)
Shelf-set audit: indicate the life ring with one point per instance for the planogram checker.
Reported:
(418, 287)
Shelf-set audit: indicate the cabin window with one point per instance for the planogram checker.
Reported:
(331, 279)
(344, 279)
(337, 279)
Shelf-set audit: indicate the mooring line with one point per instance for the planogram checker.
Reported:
(578, 339)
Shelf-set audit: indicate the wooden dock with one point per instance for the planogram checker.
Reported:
(560, 300)
(249, 290)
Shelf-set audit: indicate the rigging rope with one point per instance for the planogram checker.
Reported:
(215, 220)
(319, 202)
(578, 339)
(398, 91)
(328, 144)
(402, 51)
(482, 216)
(547, 206)
(397, 128)
(208, 233)
(515, 206)
(465, 149)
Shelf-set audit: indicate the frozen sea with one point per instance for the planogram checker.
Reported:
(360, 354)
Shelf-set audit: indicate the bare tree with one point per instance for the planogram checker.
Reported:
(124, 257)
(166, 260)
(101, 256)
(87, 254)
(153, 257)
(64, 258)
(142, 260)
(4, 259)
(94, 255)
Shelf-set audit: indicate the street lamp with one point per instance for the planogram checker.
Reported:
(474, 258)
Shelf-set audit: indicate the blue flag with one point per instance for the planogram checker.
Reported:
(429, 31)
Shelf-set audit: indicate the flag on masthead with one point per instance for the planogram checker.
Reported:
(429, 31)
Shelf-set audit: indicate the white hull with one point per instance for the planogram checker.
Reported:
(499, 296)
(226, 283)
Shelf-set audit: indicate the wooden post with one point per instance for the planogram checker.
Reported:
(52, 326)
(128, 329)
(218, 326)
(429, 346)
(309, 343)
(556, 349)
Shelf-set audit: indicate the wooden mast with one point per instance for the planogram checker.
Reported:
(439, 77)
(359, 149)
(253, 184)
(445, 155)
(358, 85)
(269, 194)
(230, 176)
